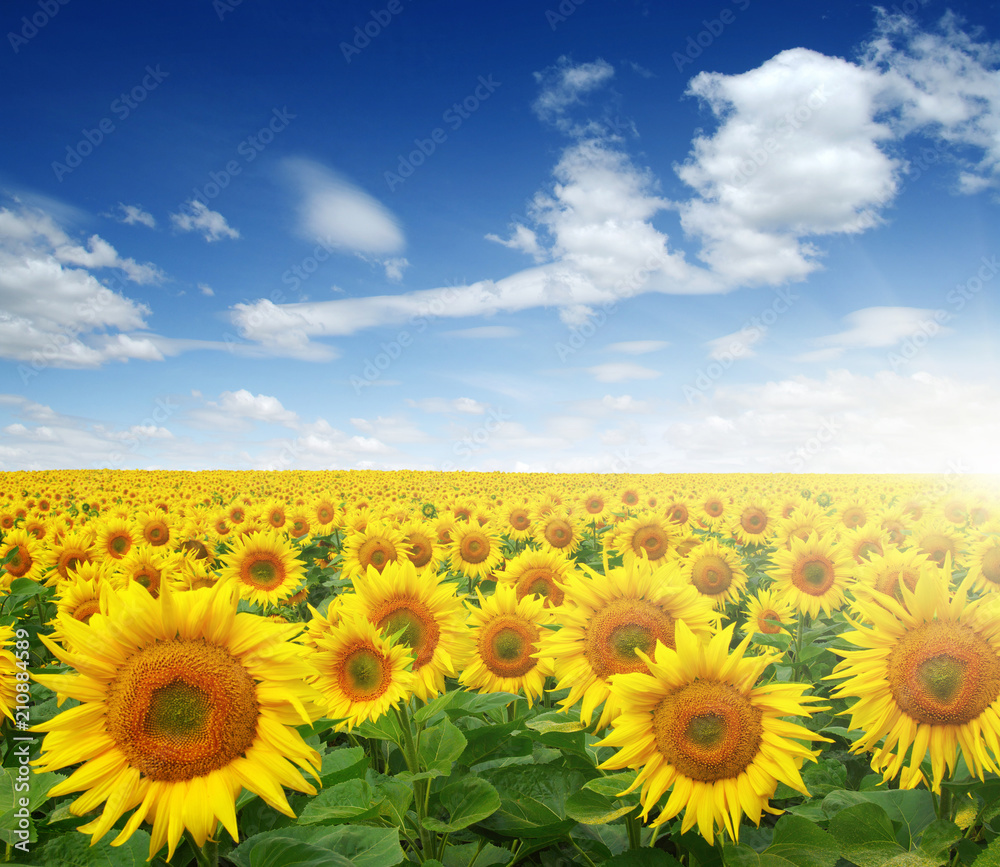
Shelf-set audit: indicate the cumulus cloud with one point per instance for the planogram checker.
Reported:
(133, 214)
(201, 218)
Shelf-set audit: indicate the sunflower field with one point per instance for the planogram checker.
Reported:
(371, 669)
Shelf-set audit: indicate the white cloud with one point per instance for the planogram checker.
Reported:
(133, 214)
(563, 84)
(205, 289)
(237, 410)
(739, 344)
(394, 268)
(637, 347)
(881, 327)
(522, 239)
(53, 311)
(463, 405)
(200, 218)
(334, 211)
(621, 371)
(483, 332)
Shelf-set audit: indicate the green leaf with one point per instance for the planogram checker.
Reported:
(14, 788)
(593, 808)
(485, 855)
(487, 739)
(797, 842)
(440, 746)
(385, 728)
(74, 850)
(611, 785)
(532, 803)
(644, 857)
(396, 797)
(321, 846)
(824, 777)
(938, 838)
(990, 856)
(912, 809)
(865, 835)
(342, 764)
(24, 588)
(435, 706)
(350, 801)
(554, 722)
(468, 800)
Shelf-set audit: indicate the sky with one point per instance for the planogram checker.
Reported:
(612, 236)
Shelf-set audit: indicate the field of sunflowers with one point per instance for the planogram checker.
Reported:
(368, 669)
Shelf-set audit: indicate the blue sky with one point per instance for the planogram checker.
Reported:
(594, 236)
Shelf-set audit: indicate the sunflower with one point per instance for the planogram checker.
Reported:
(538, 574)
(75, 547)
(427, 610)
(813, 574)
(715, 571)
(852, 515)
(183, 703)
(927, 676)
(697, 724)
(864, 542)
(326, 514)
(8, 673)
(712, 508)
(264, 566)
(895, 568)
(146, 565)
(507, 632)
(474, 551)
(752, 524)
(895, 524)
(419, 544)
(559, 532)
(984, 561)
(937, 540)
(768, 613)
(154, 527)
(360, 673)
(517, 523)
(115, 538)
(26, 561)
(807, 518)
(646, 537)
(379, 544)
(680, 515)
(605, 619)
(299, 522)
(275, 514)
(594, 507)
(319, 624)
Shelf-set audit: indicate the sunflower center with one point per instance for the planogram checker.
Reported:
(364, 675)
(866, 549)
(540, 581)
(20, 563)
(990, 565)
(376, 552)
(474, 548)
(263, 572)
(149, 578)
(944, 673)
(936, 546)
(70, 559)
(853, 518)
(713, 508)
(813, 575)
(419, 628)
(119, 544)
(621, 627)
(85, 610)
(768, 621)
(181, 709)
(712, 575)
(651, 540)
(708, 730)
(420, 550)
(595, 506)
(558, 533)
(506, 644)
(156, 533)
(520, 520)
(753, 521)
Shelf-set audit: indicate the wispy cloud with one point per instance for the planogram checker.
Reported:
(200, 218)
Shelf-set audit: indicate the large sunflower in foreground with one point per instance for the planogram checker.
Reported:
(606, 620)
(813, 574)
(264, 567)
(183, 703)
(926, 675)
(507, 631)
(428, 612)
(697, 724)
(360, 673)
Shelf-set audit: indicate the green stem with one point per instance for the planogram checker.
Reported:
(634, 828)
(207, 855)
(421, 788)
(655, 834)
(944, 804)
